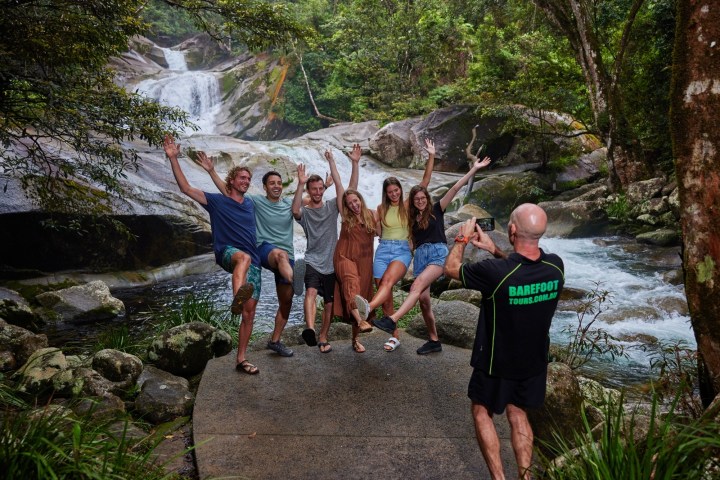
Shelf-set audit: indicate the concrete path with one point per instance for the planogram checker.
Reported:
(341, 415)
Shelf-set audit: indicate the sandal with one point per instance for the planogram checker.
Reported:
(322, 345)
(358, 347)
(391, 344)
(309, 337)
(243, 294)
(247, 367)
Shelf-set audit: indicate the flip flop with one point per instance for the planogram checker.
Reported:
(391, 344)
(309, 336)
(247, 367)
(358, 347)
(243, 294)
(324, 344)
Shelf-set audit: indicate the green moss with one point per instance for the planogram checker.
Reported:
(29, 292)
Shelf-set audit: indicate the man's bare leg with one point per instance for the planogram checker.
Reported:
(310, 307)
(488, 440)
(279, 260)
(241, 264)
(521, 436)
(326, 321)
(245, 328)
(284, 296)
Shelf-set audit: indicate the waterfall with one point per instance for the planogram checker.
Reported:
(198, 93)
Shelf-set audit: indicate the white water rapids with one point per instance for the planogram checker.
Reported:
(642, 305)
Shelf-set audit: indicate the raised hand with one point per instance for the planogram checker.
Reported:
(205, 162)
(172, 150)
(355, 153)
(430, 147)
(302, 176)
(329, 156)
(481, 163)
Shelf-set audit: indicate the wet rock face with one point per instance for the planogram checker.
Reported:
(97, 246)
(18, 344)
(15, 309)
(186, 349)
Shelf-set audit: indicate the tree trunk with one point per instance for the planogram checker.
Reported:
(574, 20)
(695, 128)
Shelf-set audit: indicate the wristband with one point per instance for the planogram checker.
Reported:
(461, 239)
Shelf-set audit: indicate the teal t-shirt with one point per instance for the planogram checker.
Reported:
(274, 221)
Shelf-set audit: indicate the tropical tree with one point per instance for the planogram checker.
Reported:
(601, 48)
(63, 121)
(696, 147)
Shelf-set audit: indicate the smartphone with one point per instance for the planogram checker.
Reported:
(486, 224)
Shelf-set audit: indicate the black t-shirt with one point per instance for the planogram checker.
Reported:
(435, 232)
(518, 304)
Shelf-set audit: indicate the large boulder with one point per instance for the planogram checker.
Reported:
(83, 381)
(117, 366)
(393, 144)
(561, 413)
(664, 237)
(463, 295)
(456, 323)
(186, 349)
(91, 301)
(500, 194)
(163, 396)
(575, 218)
(36, 376)
(15, 309)
(587, 168)
(20, 343)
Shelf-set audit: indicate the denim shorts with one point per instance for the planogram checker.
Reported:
(264, 250)
(429, 254)
(387, 252)
(253, 275)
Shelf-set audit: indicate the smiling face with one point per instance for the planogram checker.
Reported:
(353, 203)
(273, 187)
(420, 201)
(316, 190)
(241, 182)
(393, 193)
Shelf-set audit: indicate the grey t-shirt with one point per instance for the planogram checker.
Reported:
(320, 227)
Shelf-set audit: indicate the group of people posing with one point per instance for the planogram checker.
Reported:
(510, 352)
(251, 232)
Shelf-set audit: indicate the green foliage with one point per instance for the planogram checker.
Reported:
(119, 338)
(199, 309)
(668, 448)
(618, 209)
(64, 123)
(587, 341)
(675, 364)
(49, 444)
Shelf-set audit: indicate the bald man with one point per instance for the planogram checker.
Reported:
(510, 355)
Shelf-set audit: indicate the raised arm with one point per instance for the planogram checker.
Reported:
(430, 148)
(450, 194)
(298, 198)
(172, 150)
(354, 155)
(339, 190)
(207, 164)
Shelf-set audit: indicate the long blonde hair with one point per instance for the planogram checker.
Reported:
(366, 216)
(386, 203)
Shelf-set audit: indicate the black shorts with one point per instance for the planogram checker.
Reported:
(323, 283)
(496, 393)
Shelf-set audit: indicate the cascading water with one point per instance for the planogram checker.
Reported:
(196, 92)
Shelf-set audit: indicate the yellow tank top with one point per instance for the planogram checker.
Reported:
(393, 227)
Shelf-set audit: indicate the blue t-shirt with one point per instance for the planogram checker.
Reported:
(233, 225)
